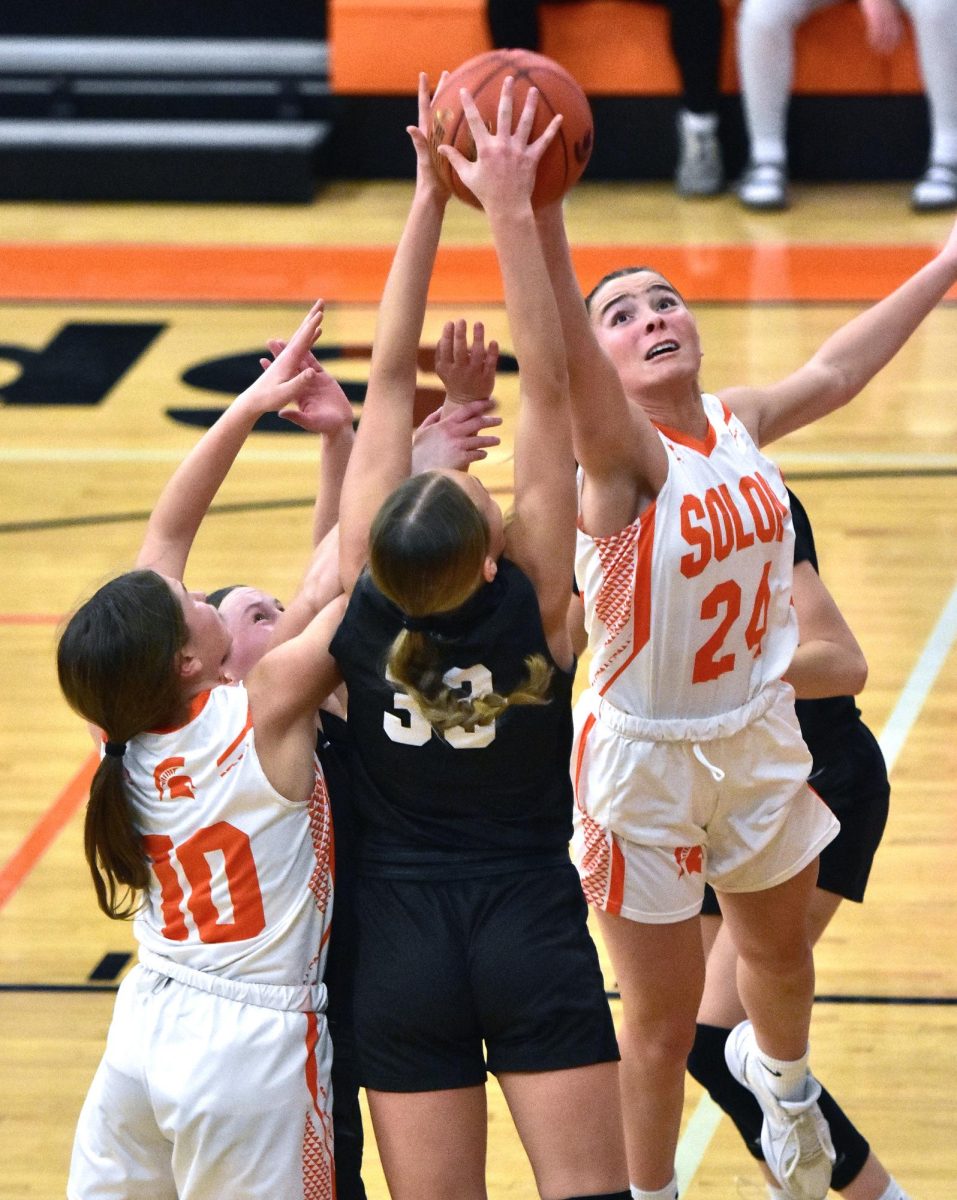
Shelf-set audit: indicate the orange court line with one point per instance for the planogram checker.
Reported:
(46, 830)
(30, 619)
(463, 274)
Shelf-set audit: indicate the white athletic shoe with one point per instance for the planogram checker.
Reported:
(795, 1137)
(700, 170)
(764, 186)
(936, 189)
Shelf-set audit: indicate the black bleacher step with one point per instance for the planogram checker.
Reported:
(210, 161)
(167, 99)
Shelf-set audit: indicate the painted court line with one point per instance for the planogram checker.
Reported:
(768, 272)
(707, 1116)
(30, 618)
(834, 460)
(46, 830)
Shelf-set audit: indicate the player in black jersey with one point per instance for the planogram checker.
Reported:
(472, 947)
(850, 775)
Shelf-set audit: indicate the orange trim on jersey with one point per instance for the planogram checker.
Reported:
(641, 596)
(616, 880)
(237, 739)
(728, 414)
(685, 439)
(312, 1073)
(611, 901)
(196, 706)
(586, 730)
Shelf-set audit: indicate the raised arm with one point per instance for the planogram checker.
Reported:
(286, 687)
(850, 358)
(615, 442)
(185, 500)
(323, 409)
(382, 455)
(541, 537)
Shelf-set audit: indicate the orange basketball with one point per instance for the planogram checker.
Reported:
(563, 161)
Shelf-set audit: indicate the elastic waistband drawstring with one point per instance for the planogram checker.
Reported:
(716, 773)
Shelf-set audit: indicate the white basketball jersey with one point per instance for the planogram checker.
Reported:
(241, 877)
(688, 609)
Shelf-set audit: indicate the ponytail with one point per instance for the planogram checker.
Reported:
(116, 661)
(414, 666)
(114, 851)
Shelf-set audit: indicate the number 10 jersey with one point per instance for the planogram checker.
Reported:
(241, 877)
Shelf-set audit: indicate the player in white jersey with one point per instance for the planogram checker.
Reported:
(688, 763)
(208, 819)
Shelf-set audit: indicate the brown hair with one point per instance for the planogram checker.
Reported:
(427, 547)
(620, 274)
(116, 661)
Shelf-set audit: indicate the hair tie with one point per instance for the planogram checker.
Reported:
(415, 624)
(114, 749)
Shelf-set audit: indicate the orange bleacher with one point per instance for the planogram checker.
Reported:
(613, 48)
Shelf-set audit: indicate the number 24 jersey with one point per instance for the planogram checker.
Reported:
(689, 607)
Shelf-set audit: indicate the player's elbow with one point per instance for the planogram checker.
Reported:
(857, 672)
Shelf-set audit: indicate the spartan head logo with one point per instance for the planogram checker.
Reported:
(689, 860)
(170, 784)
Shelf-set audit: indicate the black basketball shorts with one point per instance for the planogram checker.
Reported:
(456, 977)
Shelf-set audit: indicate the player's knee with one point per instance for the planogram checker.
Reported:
(659, 1045)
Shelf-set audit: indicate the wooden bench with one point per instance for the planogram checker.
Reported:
(856, 114)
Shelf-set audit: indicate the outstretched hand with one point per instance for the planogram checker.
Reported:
(453, 439)
(503, 173)
(290, 374)
(321, 406)
(427, 178)
(467, 371)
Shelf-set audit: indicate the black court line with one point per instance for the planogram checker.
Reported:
(54, 523)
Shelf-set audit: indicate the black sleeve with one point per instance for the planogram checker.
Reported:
(804, 550)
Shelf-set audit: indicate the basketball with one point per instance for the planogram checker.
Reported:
(564, 160)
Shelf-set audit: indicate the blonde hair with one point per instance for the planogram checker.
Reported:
(427, 547)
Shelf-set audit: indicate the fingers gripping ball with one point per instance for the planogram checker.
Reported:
(567, 156)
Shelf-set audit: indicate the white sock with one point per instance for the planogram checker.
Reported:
(786, 1079)
(694, 122)
(943, 150)
(668, 1192)
(769, 150)
(893, 1191)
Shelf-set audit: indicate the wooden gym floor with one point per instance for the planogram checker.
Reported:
(123, 327)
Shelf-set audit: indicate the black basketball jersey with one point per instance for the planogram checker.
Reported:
(824, 720)
(459, 802)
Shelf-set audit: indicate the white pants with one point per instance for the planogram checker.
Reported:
(205, 1097)
(765, 40)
